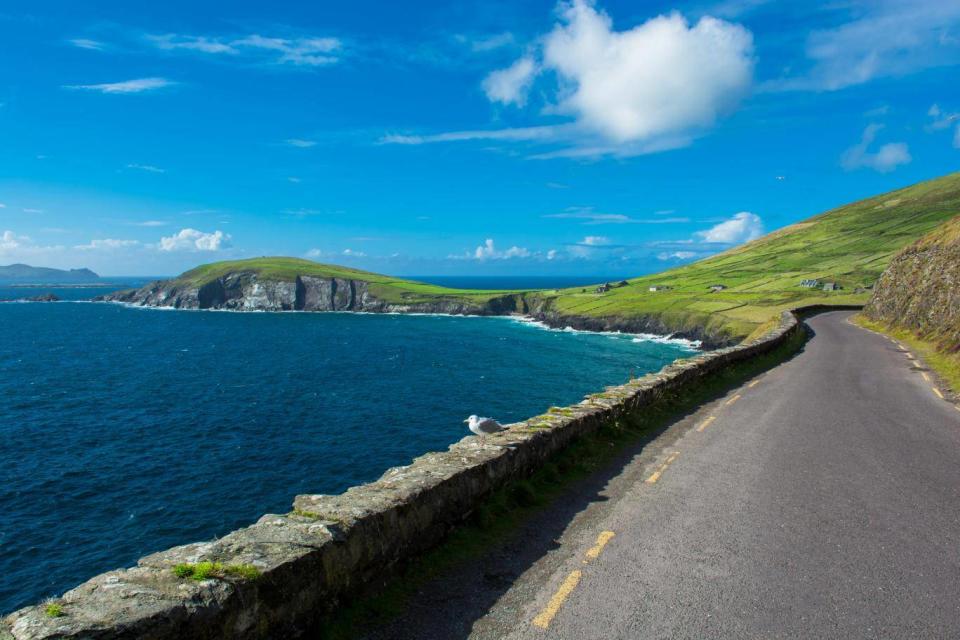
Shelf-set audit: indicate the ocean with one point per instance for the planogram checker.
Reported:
(124, 431)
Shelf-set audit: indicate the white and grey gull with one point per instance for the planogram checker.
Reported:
(483, 426)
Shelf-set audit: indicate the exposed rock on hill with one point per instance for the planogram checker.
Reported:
(920, 290)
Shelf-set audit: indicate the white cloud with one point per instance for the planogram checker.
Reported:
(149, 168)
(17, 246)
(510, 85)
(9, 240)
(106, 244)
(591, 217)
(315, 253)
(742, 227)
(593, 241)
(300, 143)
(128, 86)
(193, 240)
(677, 255)
(941, 119)
(663, 77)
(150, 223)
(486, 43)
(649, 88)
(302, 51)
(2, 206)
(354, 254)
(30, 210)
(489, 251)
(885, 159)
(85, 43)
(887, 38)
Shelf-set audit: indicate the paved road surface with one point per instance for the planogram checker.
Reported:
(819, 500)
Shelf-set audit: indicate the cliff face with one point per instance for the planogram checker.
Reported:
(247, 291)
(250, 291)
(920, 290)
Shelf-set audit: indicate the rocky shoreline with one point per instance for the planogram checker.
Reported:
(247, 291)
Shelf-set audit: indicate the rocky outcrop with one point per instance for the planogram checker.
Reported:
(248, 291)
(296, 567)
(920, 290)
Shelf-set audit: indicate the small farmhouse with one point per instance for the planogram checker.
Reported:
(717, 287)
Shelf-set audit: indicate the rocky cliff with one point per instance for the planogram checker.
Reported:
(920, 290)
(251, 291)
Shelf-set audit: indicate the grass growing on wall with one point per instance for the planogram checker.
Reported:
(946, 365)
(500, 516)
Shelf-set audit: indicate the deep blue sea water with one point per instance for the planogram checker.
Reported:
(125, 431)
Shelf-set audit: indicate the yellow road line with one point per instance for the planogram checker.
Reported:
(659, 472)
(937, 391)
(545, 617)
(594, 552)
(925, 376)
(753, 384)
(706, 423)
(732, 400)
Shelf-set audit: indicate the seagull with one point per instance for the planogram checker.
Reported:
(483, 426)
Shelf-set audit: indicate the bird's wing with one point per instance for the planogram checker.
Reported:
(489, 425)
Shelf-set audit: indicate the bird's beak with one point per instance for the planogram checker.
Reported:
(467, 420)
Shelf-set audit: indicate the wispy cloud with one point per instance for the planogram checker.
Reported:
(885, 38)
(590, 217)
(298, 51)
(86, 43)
(127, 86)
(940, 119)
(31, 210)
(300, 143)
(107, 244)
(150, 223)
(149, 168)
(884, 160)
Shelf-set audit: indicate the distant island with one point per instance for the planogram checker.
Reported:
(25, 274)
(834, 258)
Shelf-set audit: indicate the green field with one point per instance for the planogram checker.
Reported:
(850, 245)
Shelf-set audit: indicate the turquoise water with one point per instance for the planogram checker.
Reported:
(125, 431)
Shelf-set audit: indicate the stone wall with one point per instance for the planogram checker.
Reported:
(330, 547)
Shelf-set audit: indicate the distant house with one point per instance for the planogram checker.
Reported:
(830, 286)
(624, 283)
(603, 288)
(660, 287)
(717, 287)
(810, 284)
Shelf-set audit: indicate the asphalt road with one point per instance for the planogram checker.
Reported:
(819, 500)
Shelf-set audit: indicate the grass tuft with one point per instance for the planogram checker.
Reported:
(208, 570)
(53, 610)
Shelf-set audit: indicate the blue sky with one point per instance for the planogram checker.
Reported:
(607, 138)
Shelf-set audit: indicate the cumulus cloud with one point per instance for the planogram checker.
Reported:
(354, 254)
(663, 77)
(488, 251)
(885, 159)
(742, 227)
(300, 51)
(128, 86)
(648, 88)
(9, 240)
(13, 245)
(194, 240)
(510, 85)
(106, 244)
(677, 255)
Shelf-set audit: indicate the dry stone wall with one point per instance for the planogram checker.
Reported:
(330, 547)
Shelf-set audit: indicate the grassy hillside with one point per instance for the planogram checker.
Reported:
(850, 246)
(384, 287)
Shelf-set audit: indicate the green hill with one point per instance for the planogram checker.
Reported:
(849, 246)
